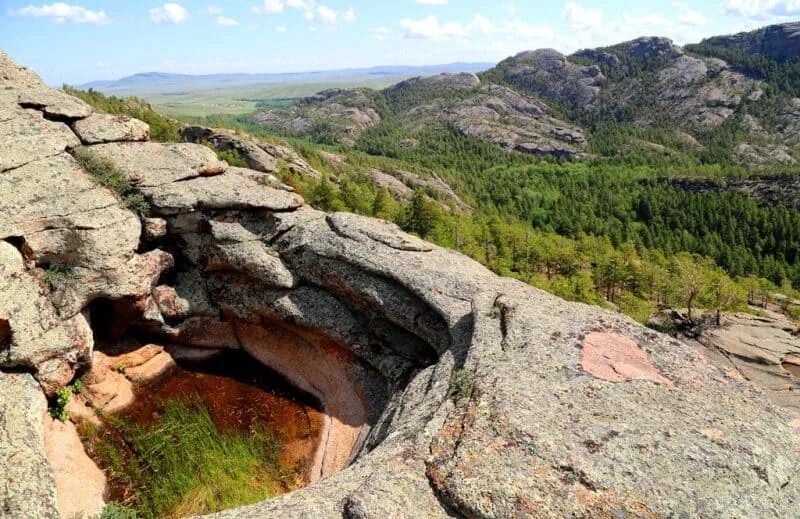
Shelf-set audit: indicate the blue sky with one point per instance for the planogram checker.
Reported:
(82, 40)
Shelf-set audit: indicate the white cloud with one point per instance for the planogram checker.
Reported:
(226, 21)
(644, 22)
(169, 13)
(429, 28)
(269, 7)
(61, 13)
(379, 33)
(349, 16)
(303, 5)
(281, 28)
(762, 9)
(692, 18)
(515, 32)
(322, 14)
(582, 17)
(212, 10)
(432, 2)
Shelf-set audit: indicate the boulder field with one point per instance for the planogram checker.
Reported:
(450, 391)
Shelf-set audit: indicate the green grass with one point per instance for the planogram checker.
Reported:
(107, 175)
(183, 465)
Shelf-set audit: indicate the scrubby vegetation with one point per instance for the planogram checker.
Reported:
(106, 174)
(614, 230)
(183, 464)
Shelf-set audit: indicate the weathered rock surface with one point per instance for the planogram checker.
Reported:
(779, 42)
(760, 349)
(226, 140)
(80, 484)
(28, 488)
(548, 73)
(454, 392)
(100, 128)
(502, 116)
(766, 190)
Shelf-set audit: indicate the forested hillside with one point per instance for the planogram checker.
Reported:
(622, 223)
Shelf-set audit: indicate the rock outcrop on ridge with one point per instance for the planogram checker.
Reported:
(544, 103)
(479, 396)
(485, 111)
(779, 42)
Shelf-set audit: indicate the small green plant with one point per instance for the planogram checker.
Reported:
(462, 383)
(117, 511)
(58, 276)
(78, 386)
(106, 174)
(232, 157)
(58, 408)
(121, 368)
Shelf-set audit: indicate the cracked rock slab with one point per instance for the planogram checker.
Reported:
(101, 128)
(230, 190)
(151, 164)
(28, 137)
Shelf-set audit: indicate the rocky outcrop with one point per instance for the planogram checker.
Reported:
(548, 73)
(763, 349)
(455, 392)
(259, 155)
(401, 185)
(488, 112)
(779, 42)
(504, 117)
(342, 112)
(765, 190)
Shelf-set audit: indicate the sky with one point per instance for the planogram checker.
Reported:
(83, 40)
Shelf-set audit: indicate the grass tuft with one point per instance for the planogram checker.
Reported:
(183, 465)
(107, 175)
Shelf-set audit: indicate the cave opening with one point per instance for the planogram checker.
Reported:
(181, 430)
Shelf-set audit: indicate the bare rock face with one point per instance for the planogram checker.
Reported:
(764, 350)
(347, 112)
(548, 73)
(450, 391)
(500, 115)
(100, 128)
(488, 112)
(780, 42)
(29, 489)
(225, 140)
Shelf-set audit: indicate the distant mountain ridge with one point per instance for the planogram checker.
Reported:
(153, 80)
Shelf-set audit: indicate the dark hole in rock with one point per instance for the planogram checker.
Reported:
(111, 319)
(5, 334)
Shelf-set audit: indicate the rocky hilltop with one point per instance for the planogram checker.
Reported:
(450, 391)
(486, 111)
(779, 42)
(545, 103)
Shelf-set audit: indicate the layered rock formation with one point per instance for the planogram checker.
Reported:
(764, 349)
(462, 393)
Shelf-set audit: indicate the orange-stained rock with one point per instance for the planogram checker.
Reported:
(616, 358)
